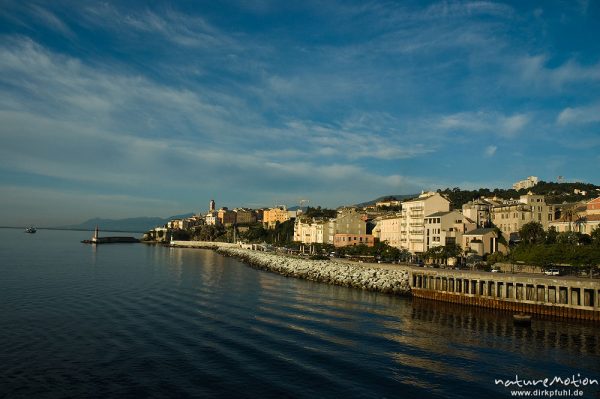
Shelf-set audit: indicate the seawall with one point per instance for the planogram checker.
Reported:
(325, 271)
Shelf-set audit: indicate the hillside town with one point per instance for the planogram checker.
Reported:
(417, 228)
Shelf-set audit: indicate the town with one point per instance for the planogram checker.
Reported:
(491, 233)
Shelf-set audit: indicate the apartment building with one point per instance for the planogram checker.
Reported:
(244, 216)
(226, 216)
(412, 226)
(387, 229)
(352, 227)
(512, 215)
(578, 217)
(445, 228)
(275, 215)
(480, 210)
(309, 231)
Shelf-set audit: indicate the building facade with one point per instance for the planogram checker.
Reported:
(273, 216)
(412, 226)
(446, 228)
(511, 216)
(525, 184)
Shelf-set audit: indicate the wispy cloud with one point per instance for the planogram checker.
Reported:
(490, 150)
(579, 115)
(485, 122)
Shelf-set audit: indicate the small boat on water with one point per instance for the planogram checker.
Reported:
(522, 319)
(30, 230)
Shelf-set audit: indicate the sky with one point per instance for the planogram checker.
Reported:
(124, 109)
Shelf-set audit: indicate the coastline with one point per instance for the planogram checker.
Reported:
(325, 271)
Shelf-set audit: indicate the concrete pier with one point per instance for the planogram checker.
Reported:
(554, 296)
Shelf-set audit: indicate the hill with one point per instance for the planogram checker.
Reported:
(138, 224)
(555, 193)
(399, 197)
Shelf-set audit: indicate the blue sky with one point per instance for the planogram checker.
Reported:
(119, 109)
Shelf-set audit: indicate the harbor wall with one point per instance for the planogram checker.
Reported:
(347, 274)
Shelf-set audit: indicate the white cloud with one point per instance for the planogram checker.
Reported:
(579, 115)
(484, 122)
(490, 150)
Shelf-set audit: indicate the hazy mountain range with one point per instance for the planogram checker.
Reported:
(139, 224)
(145, 223)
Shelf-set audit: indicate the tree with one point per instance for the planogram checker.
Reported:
(551, 235)
(595, 236)
(532, 233)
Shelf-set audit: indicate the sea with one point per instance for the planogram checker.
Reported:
(143, 321)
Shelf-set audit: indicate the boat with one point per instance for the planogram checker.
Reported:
(522, 319)
(30, 230)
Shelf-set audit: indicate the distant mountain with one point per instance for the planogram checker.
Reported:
(385, 197)
(139, 224)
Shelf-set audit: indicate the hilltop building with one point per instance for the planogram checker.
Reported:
(527, 183)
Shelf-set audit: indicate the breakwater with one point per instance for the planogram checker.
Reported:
(338, 273)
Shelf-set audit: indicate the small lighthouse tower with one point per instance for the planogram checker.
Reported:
(95, 237)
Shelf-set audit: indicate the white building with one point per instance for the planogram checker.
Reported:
(412, 227)
(527, 183)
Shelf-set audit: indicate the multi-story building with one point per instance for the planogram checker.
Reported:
(412, 226)
(352, 227)
(275, 215)
(226, 216)
(527, 183)
(244, 216)
(311, 231)
(446, 228)
(212, 218)
(511, 216)
(578, 217)
(479, 210)
(387, 229)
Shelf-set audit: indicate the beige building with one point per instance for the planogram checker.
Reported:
(211, 218)
(480, 210)
(511, 216)
(579, 217)
(481, 241)
(226, 216)
(309, 231)
(387, 229)
(412, 226)
(446, 228)
(352, 227)
(244, 216)
(275, 215)
(527, 183)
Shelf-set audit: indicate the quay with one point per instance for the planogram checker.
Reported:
(568, 297)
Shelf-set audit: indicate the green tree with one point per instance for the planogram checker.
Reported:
(532, 233)
(551, 235)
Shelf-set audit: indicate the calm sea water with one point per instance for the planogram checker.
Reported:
(135, 321)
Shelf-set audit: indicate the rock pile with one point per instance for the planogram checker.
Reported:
(339, 273)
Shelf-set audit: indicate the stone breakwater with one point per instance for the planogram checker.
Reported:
(338, 273)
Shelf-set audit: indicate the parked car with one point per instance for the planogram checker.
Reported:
(496, 270)
(552, 272)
